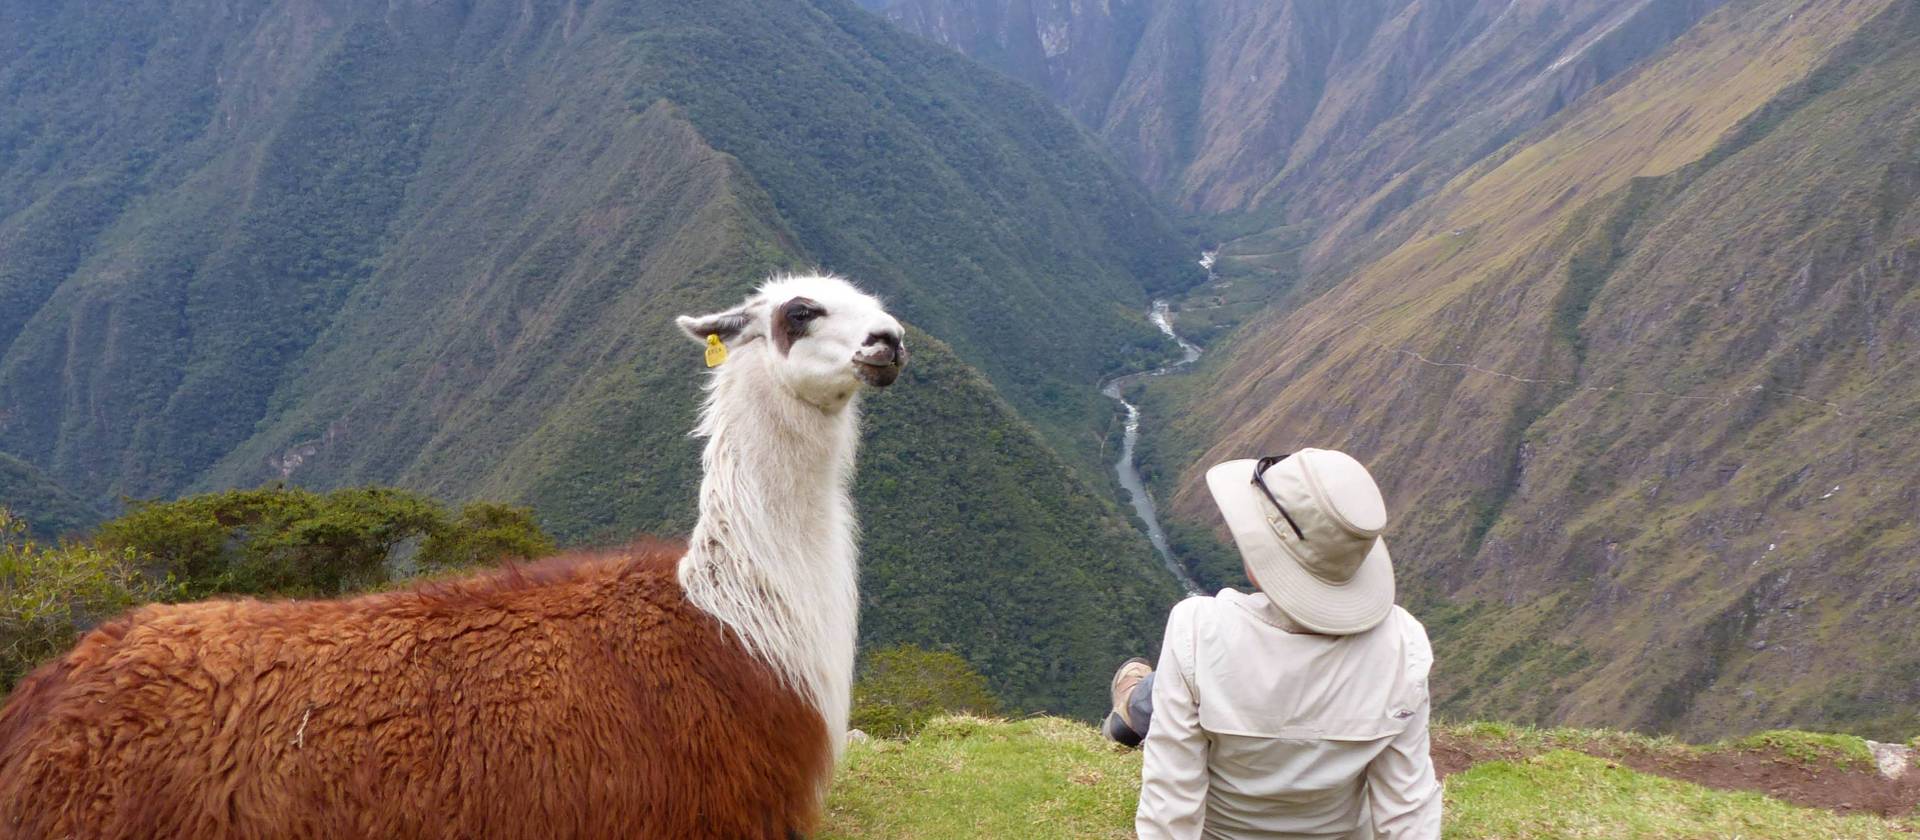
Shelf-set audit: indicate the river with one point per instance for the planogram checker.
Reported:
(1129, 472)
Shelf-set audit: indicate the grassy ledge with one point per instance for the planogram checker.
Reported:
(1568, 794)
(1048, 777)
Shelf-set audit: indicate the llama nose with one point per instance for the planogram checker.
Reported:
(883, 348)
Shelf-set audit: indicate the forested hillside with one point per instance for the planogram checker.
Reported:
(1642, 385)
(440, 245)
(42, 506)
(1618, 298)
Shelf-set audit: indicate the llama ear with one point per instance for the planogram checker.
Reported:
(727, 325)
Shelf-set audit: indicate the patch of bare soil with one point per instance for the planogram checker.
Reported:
(1846, 790)
(1452, 754)
(1812, 784)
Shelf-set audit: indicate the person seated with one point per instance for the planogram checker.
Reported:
(1299, 710)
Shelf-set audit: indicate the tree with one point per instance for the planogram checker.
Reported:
(486, 532)
(291, 541)
(50, 593)
(902, 687)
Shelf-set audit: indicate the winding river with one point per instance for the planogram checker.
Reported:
(1125, 468)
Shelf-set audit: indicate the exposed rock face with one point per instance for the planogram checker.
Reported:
(1227, 105)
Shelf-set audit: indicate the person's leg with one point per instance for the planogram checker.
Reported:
(1132, 694)
(1119, 732)
(1140, 706)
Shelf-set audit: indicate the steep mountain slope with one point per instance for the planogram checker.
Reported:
(1642, 385)
(441, 244)
(47, 510)
(1297, 108)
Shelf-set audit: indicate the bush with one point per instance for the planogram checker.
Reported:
(485, 532)
(904, 686)
(49, 594)
(291, 541)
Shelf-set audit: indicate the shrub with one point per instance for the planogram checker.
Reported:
(902, 687)
(291, 541)
(485, 532)
(49, 594)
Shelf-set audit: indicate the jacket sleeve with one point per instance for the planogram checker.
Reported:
(1402, 790)
(1173, 774)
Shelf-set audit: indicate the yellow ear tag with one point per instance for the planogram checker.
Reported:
(716, 352)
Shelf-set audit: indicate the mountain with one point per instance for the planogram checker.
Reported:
(1294, 109)
(1641, 385)
(440, 244)
(47, 510)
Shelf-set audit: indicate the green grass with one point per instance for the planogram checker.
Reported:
(1833, 749)
(1567, 794)
(1840, 750)
(1531, 739)
(968, 777)
(1048, 777)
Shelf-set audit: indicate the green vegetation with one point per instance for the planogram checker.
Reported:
(440, 248)
(1165, 451)
(1830, 748)
(978, 539)
(1565, 794)
(1629, 384)
(290, 541)
(1839, 751)
(271, 541)
(966, 198)
(966, 777)
(42, 507)
(275, 541)
(902, 687)
(49, 593)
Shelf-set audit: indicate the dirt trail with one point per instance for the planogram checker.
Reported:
(1811, 784)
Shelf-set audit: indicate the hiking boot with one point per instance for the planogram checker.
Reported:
(1124, 680)
(1119, 732)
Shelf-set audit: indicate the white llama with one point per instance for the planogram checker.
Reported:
(773, 554)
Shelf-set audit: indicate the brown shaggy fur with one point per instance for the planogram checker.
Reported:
(582, 697)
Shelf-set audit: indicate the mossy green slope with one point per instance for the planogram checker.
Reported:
(440, 246)
(1045, 778)
(46, 510)
(1564, 794)
(1641, 386)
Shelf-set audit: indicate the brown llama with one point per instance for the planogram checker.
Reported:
(646, 692)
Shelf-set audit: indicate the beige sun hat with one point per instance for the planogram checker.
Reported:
(1318, 555)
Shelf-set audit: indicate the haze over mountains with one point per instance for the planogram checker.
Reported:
(1618, 298)
(1232, 105)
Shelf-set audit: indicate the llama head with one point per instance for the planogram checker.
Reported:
(818, 336)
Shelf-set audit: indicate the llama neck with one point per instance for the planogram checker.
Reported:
(773, 554)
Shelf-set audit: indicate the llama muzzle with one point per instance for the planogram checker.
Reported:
(879, 362)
